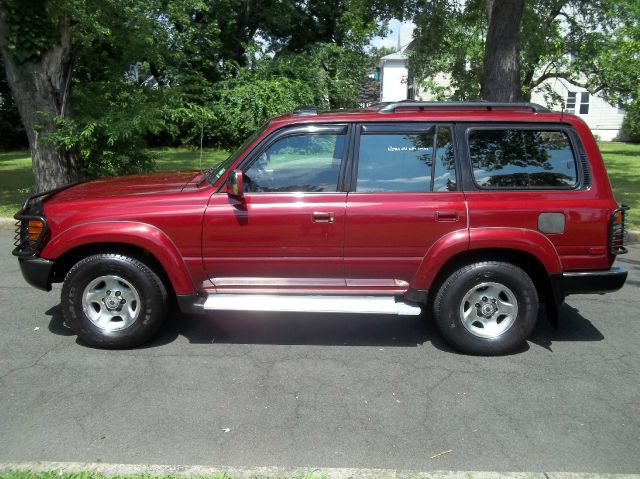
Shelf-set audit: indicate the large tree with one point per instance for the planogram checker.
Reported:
(589, 44)
(501, 73)
(94, 79)
(38, 55)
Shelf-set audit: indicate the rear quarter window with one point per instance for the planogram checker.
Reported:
(515, 158)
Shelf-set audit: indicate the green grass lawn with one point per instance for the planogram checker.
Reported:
(623, 165)
(622, 161)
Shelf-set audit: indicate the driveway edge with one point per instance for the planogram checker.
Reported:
(281, 472)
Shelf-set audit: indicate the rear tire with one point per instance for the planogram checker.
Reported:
(487, 308)
(113, 301)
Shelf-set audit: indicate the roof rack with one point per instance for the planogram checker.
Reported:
(470, 105)
(305, 111)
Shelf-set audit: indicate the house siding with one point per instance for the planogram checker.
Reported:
(604, 119)
(394, 80)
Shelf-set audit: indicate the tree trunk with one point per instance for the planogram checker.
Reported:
(40, 89)
(501, 75)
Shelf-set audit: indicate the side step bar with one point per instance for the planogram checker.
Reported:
(309, 304)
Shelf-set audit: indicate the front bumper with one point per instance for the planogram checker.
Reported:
(36, 271)
(593, 282)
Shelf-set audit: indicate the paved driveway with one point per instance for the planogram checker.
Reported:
(316, 390)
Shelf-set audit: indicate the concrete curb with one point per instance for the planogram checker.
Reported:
(281, 472)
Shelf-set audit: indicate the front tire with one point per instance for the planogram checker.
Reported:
(487, 308)
(113, 301)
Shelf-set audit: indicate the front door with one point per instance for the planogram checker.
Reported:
(287, 232)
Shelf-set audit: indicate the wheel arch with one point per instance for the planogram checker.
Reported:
(528, 249)
(524, 260)
(141, 241)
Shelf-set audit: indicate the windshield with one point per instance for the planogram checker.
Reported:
(214, 173)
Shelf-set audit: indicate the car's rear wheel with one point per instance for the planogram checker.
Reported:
(113, 301)
(487, 308)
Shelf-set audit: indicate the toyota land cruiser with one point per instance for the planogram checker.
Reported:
(474, 212)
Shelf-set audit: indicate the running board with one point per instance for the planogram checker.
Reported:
(309, 304)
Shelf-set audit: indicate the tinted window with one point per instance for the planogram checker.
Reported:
(522, 159)
(307, 163)
(395, 162)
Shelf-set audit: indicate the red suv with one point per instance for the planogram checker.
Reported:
(476, 212)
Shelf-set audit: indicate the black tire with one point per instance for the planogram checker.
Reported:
(473, 308)
(147, 293)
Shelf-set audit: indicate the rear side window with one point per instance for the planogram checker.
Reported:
(411, 162)
(522, 159)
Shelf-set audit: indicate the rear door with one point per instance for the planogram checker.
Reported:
(404, 196)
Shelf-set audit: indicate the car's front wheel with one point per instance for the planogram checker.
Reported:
(487, 308)
(113, 301)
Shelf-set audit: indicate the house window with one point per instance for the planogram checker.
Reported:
(584, 103)
(578, 102)
(571, 102)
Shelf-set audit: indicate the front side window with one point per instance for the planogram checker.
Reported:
(298, 163)
(406, 162)
(522, 159)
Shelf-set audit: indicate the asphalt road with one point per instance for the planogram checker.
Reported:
(326, 391)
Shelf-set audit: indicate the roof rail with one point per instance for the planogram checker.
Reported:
(305, 111)
(471, 105)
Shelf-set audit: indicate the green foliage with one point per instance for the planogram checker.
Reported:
(182, 71)
(32, 27)
(242, 105)
(110, 131)
(450, 40)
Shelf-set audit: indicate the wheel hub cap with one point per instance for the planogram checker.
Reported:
(488, 310)
(111, 303)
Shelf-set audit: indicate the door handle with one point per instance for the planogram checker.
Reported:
(446, 216)
(322, 217)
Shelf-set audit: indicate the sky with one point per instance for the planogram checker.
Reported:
(391, 40)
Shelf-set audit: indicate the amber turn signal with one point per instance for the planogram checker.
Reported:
(618, 217)
(35, 229)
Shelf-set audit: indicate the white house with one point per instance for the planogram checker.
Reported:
(604, 119)
(394, 73)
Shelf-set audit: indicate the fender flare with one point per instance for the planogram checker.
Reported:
(440, 252)
(519, 239)
(142, 235)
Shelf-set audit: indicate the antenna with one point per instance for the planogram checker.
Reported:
(201, 137)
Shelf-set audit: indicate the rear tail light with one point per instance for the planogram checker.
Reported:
(617, 233)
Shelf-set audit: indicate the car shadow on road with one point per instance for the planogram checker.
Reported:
(319, 329)
(305, 329)
(573, 326)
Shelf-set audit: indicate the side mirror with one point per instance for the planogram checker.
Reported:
(235, 184)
